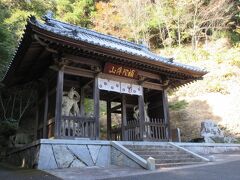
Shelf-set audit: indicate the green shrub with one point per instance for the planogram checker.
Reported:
(229, 75)
(236, 62)
(234, 37)
(178, 105)
(217, 87)
(218, 58)
(219, 34)
(7, 128)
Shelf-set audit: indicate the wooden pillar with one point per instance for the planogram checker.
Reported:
(141, 117)
(166, 114)
(37, 117)
(58, 109)
(82, 98)
(124, 117)
(109, 120)
(96, 107)
(45, 112)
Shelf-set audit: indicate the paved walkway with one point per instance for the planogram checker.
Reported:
(91, 173)
(229, 170)
(226, 167)
(8, 172)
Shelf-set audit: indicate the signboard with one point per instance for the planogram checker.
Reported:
(119, 70)
(120, 87)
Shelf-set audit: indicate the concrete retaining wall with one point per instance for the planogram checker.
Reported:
(25, 157)
(58, 153)
(67, 154)
(121, 156)
(209, 148)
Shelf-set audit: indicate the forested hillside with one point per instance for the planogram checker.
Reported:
(205, 33)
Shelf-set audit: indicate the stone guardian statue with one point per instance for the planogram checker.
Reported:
(70, 103)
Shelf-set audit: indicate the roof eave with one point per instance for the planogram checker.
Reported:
(126, 55)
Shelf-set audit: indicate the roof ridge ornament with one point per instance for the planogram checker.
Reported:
(32, 18)
(48, 15)
(143, 44)
(171, 59)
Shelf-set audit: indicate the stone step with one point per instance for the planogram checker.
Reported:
(148, 147)
(143, 146)
(179, 160)
(163, 157)
(155, 152)
(153, 149)
(166, 165)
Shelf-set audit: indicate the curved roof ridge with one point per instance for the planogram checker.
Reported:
(107, 41)
(50, 20)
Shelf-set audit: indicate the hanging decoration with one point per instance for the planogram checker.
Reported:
(120, 87)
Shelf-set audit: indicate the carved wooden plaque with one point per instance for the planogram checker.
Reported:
(119, 70)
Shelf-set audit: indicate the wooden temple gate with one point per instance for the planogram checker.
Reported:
(131, 79)
(130, 128)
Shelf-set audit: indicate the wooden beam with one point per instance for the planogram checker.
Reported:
(86, 84)
(112, 98)
(109, 122)
(93, 62)
(116, 108)
(79, 72)
(166, 114)
(96, 107)
(150, 85)
(124, 117)
(53, 90)
(90, 74)
(130, 105)
(76, 84)
(117, 54)
(58, 109)
(71, 83)
(82, 60)
(45, 111)
(117, 112)
(117, 78)
(148, 75)
(145, 84)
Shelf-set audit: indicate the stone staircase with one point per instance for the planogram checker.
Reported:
(165, 155)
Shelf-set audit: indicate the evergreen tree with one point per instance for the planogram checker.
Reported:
(6, 41)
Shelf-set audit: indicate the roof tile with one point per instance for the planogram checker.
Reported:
(103, 40)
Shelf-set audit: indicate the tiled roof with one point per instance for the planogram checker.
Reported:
(107, 41)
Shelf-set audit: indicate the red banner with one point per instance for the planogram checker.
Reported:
(120, 70)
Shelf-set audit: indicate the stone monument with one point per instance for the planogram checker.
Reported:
(213, 134)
